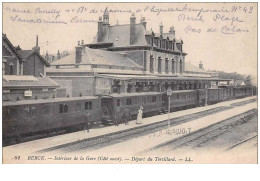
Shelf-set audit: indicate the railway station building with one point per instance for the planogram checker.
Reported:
(24, 73)
(128, 58)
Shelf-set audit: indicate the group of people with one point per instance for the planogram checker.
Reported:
(125, 117)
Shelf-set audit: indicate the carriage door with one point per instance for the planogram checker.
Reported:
(107, 106)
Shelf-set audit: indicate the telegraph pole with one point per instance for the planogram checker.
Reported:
(206, 97)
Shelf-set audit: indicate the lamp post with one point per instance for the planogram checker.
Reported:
(206, 97)
(169, 93)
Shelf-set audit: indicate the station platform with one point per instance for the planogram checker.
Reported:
(37, 145)
(145, 144)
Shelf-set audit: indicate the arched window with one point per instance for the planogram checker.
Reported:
(11, 69)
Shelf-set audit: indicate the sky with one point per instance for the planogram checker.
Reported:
(221, 35)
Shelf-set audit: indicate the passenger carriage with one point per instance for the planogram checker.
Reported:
(37, 116)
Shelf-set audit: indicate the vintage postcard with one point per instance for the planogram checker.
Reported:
(123, 83)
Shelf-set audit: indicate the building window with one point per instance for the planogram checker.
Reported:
(20, 68)
(128, 101)
(166, 66)
(153, 98)
(88, 105)
(11, 69)
(118, 102)
(151, 63)
(3, 68)
(173, 66)
(170, 45)
(159, 65)
(156, 42)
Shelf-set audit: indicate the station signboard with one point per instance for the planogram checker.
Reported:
(27, 93)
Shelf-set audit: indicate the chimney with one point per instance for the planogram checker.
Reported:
(172, 31)
(100, 30)
(82, 42)
(132, 29)
(143, 22)
(106, 17)
(201, 65)
(58, 55)
(161, 29)
(79, 50)
(37, 44)
(105, 23)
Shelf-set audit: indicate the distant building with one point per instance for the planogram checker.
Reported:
(128, 58)
(24, 74)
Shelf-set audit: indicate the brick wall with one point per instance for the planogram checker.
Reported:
(33, 66)
(76, 85)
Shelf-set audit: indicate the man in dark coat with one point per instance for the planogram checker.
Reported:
(87, 123)
(126, 116)
(117, 117)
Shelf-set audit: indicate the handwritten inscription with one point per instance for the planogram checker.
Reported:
(232, 20)
(228, 19)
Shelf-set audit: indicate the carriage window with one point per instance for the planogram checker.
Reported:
(178, 96)
(88, 105)
(46, 109)
(61, 108)
(154, 99)
(144, 100)
(118, 102)
(128, 101)
(66, 108)
(33, 112)
(78, 107)
(27, 112)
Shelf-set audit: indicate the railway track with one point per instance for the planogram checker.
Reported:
(243, 102)
(196, 139)
(243, 142)
(117, 137)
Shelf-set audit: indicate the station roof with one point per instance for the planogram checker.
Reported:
(22, 82)
(155, 77)
(52, 100)
(119, 35)
(98, 57)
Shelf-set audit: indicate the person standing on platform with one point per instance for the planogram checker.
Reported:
(126, 116)
(117, 116)
(139, 115)
(87, 123)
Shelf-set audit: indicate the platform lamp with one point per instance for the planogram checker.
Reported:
(169, 93)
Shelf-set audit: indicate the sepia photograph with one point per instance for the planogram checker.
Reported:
(129, 83)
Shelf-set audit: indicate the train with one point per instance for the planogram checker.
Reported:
(33, 117)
